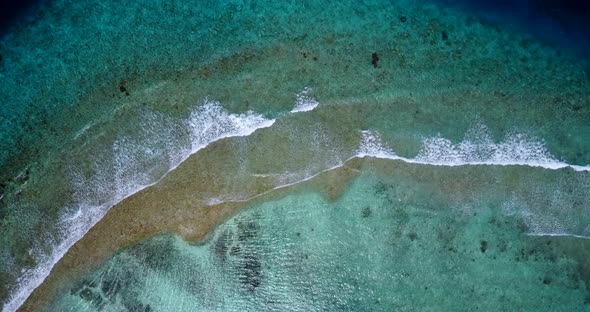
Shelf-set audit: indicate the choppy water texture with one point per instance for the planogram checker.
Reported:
(315, 155)
(395, 242)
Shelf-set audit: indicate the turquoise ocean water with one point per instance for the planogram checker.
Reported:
(390, 242)
(468, 140)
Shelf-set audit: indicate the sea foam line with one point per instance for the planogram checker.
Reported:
(515, 150)
(378, 155)
(305, 102)
(557, 235)
(209, 123)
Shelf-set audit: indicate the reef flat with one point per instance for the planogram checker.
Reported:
(124, 123)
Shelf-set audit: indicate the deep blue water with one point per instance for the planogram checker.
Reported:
(123, 78)
(565, 23)
(14, 11)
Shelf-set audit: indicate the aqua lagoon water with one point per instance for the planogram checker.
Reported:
(469, 142)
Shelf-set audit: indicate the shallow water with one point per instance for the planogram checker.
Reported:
(111, 138)
(392, 240)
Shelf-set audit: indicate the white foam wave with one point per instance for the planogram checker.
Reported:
(549, 211)
(211, 122)
(136, 165)
(305, 102)
(371, 145)
(516, 150)
(133, 164)
(558, 235)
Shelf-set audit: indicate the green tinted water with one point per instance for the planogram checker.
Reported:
(389, 242)
(98, 98)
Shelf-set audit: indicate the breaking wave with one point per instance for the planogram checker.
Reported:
(475, 149)
(132, 164)
(305, 102)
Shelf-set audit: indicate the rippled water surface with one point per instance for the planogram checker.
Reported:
(313, 155)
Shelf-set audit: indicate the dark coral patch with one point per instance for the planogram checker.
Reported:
(483, 246)
(366, 212)
(375, 59)
(251, 273)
